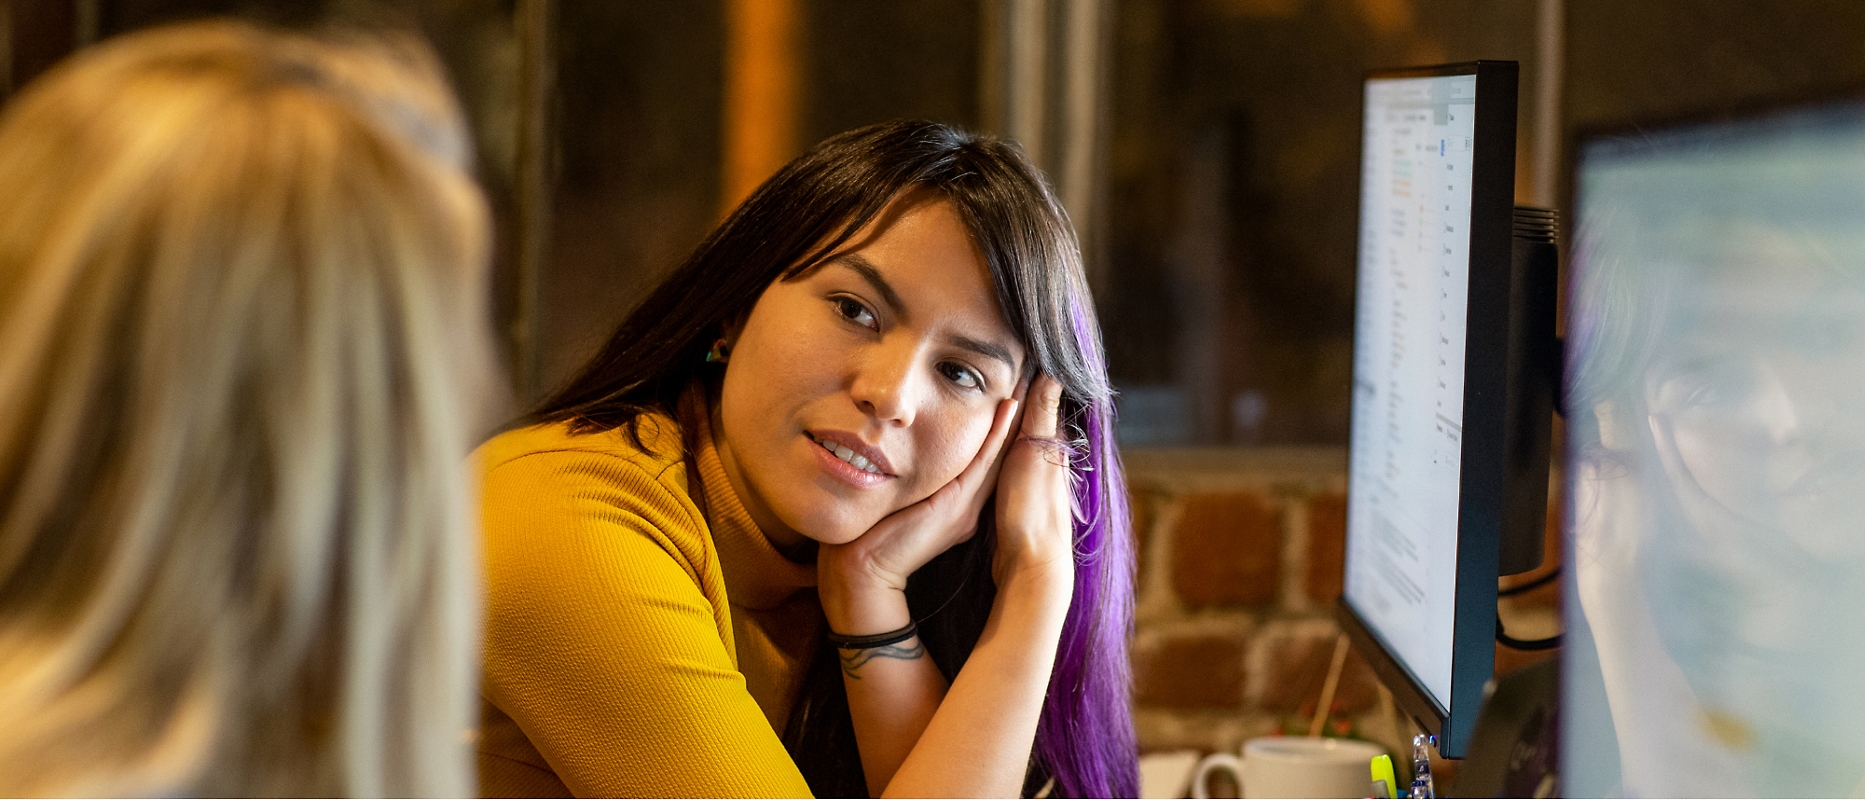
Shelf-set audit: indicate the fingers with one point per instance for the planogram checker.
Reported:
(994, 442)
(1023, 388)
(1044, 403)
(982, 471)
(999, 448)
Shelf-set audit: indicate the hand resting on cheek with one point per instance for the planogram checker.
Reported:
(1030, 476)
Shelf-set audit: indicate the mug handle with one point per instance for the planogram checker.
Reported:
(1215, 761)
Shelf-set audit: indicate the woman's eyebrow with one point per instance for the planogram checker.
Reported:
(866, 269)
(984, 348)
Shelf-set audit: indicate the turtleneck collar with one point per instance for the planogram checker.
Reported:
(757, 576)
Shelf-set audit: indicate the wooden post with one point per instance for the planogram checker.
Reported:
(1080, 170)
(1044, 84)
(1027, 76)
(6, 49)
(532, 193)
(1550, 64)
(86, 20)
(761, 94)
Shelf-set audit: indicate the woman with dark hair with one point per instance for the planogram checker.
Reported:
(837, 510)
(1717, 456)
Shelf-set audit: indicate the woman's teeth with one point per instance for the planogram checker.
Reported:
(849, 456)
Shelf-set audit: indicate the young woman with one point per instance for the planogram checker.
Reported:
(836, 510)
(240, 355)
(1718, 461)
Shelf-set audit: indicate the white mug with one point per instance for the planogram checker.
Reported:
(1294, 766)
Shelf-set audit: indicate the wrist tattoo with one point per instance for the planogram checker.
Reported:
(854, 660)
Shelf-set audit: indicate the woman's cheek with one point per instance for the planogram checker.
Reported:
(964, 436)
(1729, 460)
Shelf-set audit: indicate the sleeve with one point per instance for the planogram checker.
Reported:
(601, 645)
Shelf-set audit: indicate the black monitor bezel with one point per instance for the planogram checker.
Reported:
(1486, 445)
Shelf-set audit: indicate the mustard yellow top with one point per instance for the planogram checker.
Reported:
(643, 638)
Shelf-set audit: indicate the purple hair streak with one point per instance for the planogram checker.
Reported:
(1086, 732)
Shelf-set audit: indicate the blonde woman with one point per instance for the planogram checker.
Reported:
(240, 274)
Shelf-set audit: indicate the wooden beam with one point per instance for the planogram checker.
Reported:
(6, 49)
(1026, 118)
(1550, 74)
(532, 192)
(1043, 82)
(86, 21)
(762, 67)
(1080, 170)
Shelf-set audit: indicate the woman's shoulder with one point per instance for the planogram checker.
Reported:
(553, 469)
(652, 445)
(603, 489)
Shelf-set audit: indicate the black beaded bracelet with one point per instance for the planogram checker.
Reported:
(877, 640)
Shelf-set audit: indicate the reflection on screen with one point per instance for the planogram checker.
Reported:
(1409, 367)
(1716, 464)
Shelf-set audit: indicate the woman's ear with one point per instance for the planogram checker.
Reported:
(730, 330)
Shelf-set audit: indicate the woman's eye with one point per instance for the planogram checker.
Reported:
(961, 377)
(855, 312)
(1706, 395)
(1717, 389)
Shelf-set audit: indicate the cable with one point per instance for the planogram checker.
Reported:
(1527, 644)
(1524, 644)
(1531, 585)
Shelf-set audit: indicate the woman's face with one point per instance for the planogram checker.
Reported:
(1761, 392)
(862, 386)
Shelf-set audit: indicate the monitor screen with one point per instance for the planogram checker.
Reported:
(1408, 370)
(1716, 459)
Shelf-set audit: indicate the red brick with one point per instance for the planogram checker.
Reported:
(1298, 669)
(1190, 671)
(1327, 546)
(1227, 550)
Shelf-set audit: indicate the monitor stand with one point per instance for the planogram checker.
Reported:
(1515, 749)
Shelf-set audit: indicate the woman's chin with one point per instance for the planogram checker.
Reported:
(1826, 538)
(830, 527)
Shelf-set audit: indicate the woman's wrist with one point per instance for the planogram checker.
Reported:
(1052, 579)
(857, 607)
(1046, 562)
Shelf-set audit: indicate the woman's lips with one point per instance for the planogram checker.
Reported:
(1817, 481)
(836, 449)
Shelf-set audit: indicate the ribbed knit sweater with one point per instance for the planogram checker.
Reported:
(643, 638)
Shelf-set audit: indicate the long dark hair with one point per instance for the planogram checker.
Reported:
(1084, 740)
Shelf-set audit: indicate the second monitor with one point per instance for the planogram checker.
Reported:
(1452, 387)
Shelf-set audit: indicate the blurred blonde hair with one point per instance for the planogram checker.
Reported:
(241, 346)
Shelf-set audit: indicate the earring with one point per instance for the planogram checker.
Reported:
(719, 353)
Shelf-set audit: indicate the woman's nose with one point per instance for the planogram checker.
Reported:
(1776, 408)
(886, 385)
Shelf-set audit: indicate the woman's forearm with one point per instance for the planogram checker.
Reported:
(978, 743)
(917, 738)
(892, 690)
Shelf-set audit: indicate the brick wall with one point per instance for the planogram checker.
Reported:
(1240, 560)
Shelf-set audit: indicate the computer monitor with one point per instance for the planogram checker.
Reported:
(1452, 391)
(1715, 467)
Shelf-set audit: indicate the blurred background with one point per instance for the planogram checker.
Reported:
(1207, 151)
